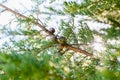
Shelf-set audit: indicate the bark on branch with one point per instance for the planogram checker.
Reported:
(69, 47)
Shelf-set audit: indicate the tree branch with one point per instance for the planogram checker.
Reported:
(25, 17)
(47, 31)
(69, 47)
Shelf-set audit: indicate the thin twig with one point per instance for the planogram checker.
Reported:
(25, 17)
(69, 47)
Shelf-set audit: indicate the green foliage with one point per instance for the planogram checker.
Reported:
(68, 31)
(37, 58)
(112, 32)
(71, 7)
(106, 11)
(28, 66)
(60, 12)
(111, 69)
(85, 34)
(23, 66)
